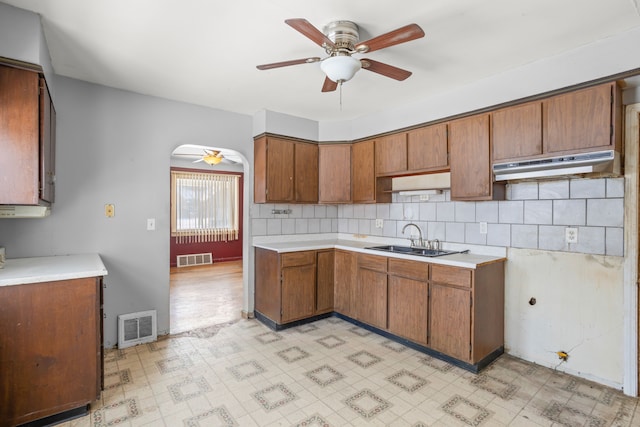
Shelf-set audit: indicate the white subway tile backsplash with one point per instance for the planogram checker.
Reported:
(396, 211)
(569, 212)
(314, 225)
(487, 212)
(614, 241)
(523, 191)
(538, 212)
(427, 211)
(445, 211)
(274, 226)
(326, 225)
(302, 226)
(465, 211)
(511, 212)
(553, 190)
(364, 226)
(358, 211)
(552, 238)
(288, 226)
(308, 211)
(320, 211)
(332, 211)
(343, 225)
(436, 230)
(615, 187)
(591, 240)
(389, 229)
(352, 226)
(370, 211)
(296, 211)
(455, 232)
(259, 227)
(605, 212)
(382, 211)
(411, 211)
(587, 188)
(472, 234)
(499, 234)
(524, 236)
(347, 211)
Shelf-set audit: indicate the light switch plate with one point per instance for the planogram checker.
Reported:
(483, 228)
(151, 224)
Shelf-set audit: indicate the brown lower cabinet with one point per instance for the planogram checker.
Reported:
(450, 311)
(50, 348)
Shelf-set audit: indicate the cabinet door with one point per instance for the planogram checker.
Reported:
(47, 144)
(450, 320)
(334, 173)
(19, 158)
(579, 120)
(372, 298)
(268, 290)
(325, 281)
(344, 282)
(391, 154)
(427, 148)
(517, 131)
(363, 172)
(298, 292)
(408, 308)
(279, 171)
(471, 175)
(306, 172)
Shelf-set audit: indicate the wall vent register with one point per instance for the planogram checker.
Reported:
(137, 328)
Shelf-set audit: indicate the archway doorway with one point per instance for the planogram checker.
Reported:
(206, 269)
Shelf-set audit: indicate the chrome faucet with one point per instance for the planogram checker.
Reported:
(411, 239)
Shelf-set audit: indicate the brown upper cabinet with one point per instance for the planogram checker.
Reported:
(428, 149)
(470, 159)
(363, 175)
(391, 154)
(584, 120)
(27, 138)
(419, 150)
(285, 171)
(334, 173)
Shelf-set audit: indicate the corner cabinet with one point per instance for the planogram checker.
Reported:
(286, 171)
(27, 138)
(334, 173)
(470, 158)
(50, 349)
(293, 286)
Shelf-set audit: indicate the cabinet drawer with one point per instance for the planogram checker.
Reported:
(451, 275)
(410, 269)
(292, 259)
(372, 262)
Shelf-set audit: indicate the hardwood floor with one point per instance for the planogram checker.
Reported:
(205, 295)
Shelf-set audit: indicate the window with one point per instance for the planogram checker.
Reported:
(204, 206)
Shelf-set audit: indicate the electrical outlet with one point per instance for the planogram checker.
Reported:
(424, 197)
(151, 224)
(483, 228)
(379, 223)
(571, 235)
(109, 210)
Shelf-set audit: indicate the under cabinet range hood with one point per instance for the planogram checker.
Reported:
(22, 211)
(595, 162)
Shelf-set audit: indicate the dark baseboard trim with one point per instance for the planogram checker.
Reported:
(51, 420)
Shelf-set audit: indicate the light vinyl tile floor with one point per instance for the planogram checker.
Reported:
(332, 373)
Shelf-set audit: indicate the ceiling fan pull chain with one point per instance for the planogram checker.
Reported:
(341, 95)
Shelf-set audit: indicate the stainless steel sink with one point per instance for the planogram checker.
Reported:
(408, 250)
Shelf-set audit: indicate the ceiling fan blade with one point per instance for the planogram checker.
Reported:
(329, 85)
(287, 63)
(312, 33)
(385, 69)
(230, 162)
(199, 160)
(401, 35)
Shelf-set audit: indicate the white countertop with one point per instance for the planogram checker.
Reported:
(20, 271)
(477, 256)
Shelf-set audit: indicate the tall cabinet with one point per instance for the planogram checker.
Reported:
(27, 138)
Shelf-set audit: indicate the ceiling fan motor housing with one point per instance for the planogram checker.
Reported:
(344, 34)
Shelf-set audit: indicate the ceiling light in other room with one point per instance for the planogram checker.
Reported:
(340, 68)
(212, 159)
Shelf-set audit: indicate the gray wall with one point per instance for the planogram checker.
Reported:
(114, 147)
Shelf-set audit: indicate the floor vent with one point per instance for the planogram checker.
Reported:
(137, 328)
(194, 259)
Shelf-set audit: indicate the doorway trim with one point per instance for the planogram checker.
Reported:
(630, 283)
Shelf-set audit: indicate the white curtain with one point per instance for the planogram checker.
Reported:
(204, 207)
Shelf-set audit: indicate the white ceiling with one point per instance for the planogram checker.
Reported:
(205, 52)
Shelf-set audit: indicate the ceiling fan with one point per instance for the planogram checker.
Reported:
(210, 157)
(340, 41)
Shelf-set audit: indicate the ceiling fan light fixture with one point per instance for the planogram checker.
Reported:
(211, 159)
(340, 68)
